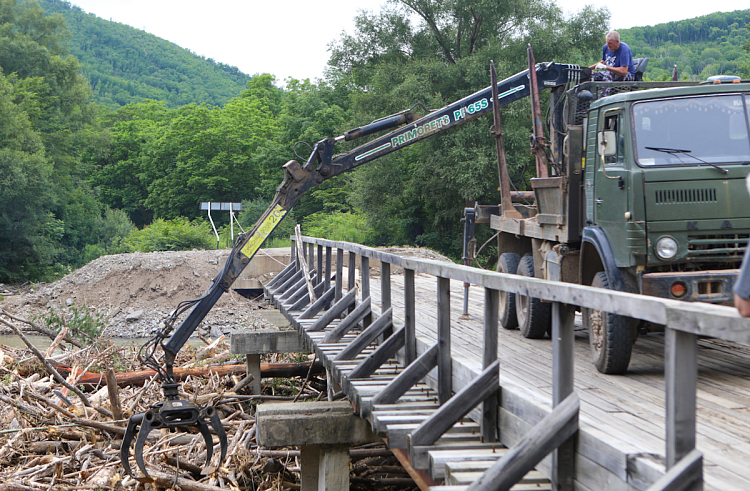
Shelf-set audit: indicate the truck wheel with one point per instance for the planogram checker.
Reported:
(533, 315)
(508, 263)
(610, 335)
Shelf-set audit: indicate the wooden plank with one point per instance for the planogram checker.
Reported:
(322, 302)
(445, 370)
(364, 273)
(458, 406)
(563, 360)
(457, 442)
(459, 436)
(548, 434)
(367, 337)
(681, 378)
(266, 341)
(685, 475)
(490, 428)
(385, 292)
(328, 271)
(409, 317)
(336, 310)
(408, 378)
(301, 292)
(304, 300)
(352, 269)
(320, 264)
(283, 275)
(379, 356)
(441, 460)
(339, 273)
(293, 279)
(355, 317)
(534, 478)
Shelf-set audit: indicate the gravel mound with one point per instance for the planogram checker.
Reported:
(136, 292)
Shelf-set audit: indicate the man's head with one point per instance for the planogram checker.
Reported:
(613, 40)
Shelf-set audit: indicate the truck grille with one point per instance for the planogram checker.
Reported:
(675, 196)
(724, 247)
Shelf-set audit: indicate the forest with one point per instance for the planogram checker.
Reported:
(86, 172)
(715, 44)
(125, 65)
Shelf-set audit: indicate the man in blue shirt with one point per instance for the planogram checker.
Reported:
(617, 61)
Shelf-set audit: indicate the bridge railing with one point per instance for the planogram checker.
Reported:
(683, 322)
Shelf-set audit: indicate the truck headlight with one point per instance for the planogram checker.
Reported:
(666, 248)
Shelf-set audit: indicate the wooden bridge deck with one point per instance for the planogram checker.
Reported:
(626, 412)
(621, 442)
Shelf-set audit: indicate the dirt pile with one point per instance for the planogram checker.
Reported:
(135, 292)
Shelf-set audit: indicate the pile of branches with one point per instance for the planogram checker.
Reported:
(63, 418)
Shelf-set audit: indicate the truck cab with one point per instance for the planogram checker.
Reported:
(649, 197)
(665, 183)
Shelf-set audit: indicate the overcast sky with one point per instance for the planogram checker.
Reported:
(290, 38)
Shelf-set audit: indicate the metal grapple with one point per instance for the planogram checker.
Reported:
(174, 413)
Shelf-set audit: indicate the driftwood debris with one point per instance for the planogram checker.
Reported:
(51, 441)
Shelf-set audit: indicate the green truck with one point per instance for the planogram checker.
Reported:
(648, 196)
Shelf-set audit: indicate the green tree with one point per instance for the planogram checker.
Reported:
(28, 231)
(390, 63)
(49, 124)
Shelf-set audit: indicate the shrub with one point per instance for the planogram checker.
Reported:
(82, 322)
(178, 234)
(349, 227)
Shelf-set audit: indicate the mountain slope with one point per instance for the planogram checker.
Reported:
(714, 44)
(125, 65)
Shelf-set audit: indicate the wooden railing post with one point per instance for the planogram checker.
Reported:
(364, 274)
(445, 363)
(320, 265)
(328, 269)
(410, 345)
(385, 286)
(339, 273)
(680, 380)
(563, 366)
(489, 424)
(385, 292)
(311, 256)
(352, 268)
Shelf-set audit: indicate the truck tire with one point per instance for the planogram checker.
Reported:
(508, 263)
(533, 315)
(610, 335)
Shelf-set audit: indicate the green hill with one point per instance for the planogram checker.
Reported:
(125, 65)
(714, 44)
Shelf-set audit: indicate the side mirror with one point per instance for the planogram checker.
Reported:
(607, 141)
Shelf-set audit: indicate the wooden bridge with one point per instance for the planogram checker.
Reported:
(465, 404)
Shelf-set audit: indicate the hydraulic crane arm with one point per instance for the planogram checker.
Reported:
(320, 166)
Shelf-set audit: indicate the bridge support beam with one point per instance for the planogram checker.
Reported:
(323, 431)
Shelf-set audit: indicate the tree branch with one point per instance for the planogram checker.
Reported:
(47, 364)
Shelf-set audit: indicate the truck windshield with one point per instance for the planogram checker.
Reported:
(711, 128)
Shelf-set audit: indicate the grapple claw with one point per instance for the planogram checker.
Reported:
(148, 418)
(171, 414)
(133, 423)
(213, 418)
